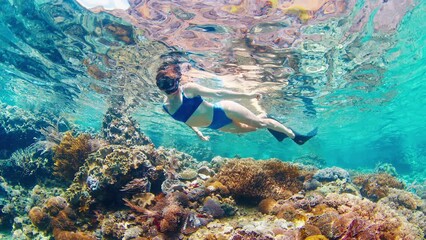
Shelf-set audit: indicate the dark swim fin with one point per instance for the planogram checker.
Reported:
(278, 135)
(301, 139)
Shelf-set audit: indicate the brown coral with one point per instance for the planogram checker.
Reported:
(67, 235)
(70, 155)
(246, 178)
(54, 205)
(56, 215)
(376, 186)
(357, 218)
(39, 218)
(266, 205)
(172, 215)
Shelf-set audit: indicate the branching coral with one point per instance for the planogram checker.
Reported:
(376, 186)
(70, 155)
(25, 167)
(257, 180)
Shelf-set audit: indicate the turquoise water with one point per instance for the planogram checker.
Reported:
(363, 85)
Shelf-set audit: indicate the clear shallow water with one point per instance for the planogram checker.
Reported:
(355, 69)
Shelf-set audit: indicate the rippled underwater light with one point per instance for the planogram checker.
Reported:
(107, 4)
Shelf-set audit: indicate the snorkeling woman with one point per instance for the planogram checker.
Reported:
(185, 103)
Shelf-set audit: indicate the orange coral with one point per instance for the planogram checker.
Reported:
(376, 186)
(67, 235)
(246, 178)
(70, 155)
(39, 218)
(55, 215)
(266, 205)
(64, 220)
(55, 204)
(172, 216)
(310, 231)
(214, 186)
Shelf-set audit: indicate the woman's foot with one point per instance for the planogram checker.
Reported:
(301, 139)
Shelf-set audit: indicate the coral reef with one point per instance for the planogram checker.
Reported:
(119, 128)
(18, 129)
(70, 155)
(386, 168)
(129, 189)
(249, 179)
(331, 174)
(57, 217)
(26, 167)
(376, 186)
(16, 202)
(418, 188)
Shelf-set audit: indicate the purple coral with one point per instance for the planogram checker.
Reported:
(332, 174)
(213, 208)
(92, 183)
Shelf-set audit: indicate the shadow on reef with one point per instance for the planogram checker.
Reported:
(120, 186)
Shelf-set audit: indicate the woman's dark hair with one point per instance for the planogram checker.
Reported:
(168, 77)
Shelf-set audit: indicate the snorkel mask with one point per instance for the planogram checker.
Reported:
(168, 78)
(173, 88)
(169, 85)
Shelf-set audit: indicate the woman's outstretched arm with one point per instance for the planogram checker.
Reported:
(196, 89)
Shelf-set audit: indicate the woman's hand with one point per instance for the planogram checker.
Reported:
(204, 138)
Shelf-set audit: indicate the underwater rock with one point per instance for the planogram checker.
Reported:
(205, 170)
(311, 184)
(213, 208)
(188, 174)
(197, 193)
(118, 224)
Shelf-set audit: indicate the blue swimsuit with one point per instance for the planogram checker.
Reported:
(190, 105)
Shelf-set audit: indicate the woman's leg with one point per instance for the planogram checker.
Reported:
(237, 127)
(241, 114)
